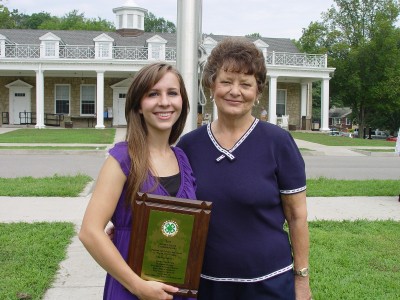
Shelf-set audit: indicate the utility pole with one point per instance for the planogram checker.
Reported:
(188, 41)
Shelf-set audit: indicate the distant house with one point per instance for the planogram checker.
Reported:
(80, 78)
(340, 118)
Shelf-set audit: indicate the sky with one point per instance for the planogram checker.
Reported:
(275, 19)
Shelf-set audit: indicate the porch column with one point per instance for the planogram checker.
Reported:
(100, 100)
(272, 99)
(304, 98)
(39, 98)
(215, 112)
(325, 105)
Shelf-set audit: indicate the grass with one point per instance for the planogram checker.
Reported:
(376, 150)
(325, 139)
(324, 187)
(29, 257)
(355, 260)
(72, 186)
(348, 260)
(52, 148)
(59, 136)
(55, 186)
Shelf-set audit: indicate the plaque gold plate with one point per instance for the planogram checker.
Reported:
(168, 240)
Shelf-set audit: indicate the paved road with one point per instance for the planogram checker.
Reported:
(63, 163)
(39, 165)
(353, 167)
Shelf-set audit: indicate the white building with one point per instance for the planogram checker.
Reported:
(49, 78)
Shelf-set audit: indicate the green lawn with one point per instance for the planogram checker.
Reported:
(72, 186)
(355, 260)
(348, 260)
(52, 148)
(55, 186)
(324, 187)
(59, 136)
(325, 139)
(29, 257)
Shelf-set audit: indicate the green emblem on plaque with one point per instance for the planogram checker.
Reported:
(169, 228)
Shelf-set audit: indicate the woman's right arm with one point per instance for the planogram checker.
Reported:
(100, 209)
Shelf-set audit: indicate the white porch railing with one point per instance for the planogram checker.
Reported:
(22, 51)
(142, 53)
(297, 59)
(131, 53)
(77, 52)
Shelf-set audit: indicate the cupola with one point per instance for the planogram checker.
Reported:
(129, 19)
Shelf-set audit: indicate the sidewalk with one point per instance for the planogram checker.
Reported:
(318, 150)
(80, 277)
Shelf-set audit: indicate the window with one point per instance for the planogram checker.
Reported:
(281, 103)
(130, 21)
(19, 94)
(155, 52)
(348, 121)
(122, 95)
(49, 49)
(62, 99)
(104, 50)
(120, 21)
(139, 22)
(88, 99)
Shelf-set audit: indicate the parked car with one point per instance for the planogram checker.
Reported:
(333, 132)
(392, 139)
(346, 134)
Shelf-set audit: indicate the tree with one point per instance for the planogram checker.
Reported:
(362, 44)
(73, 21)
(35, 20)
(255, 35)
(6, 21)
(76, 21)
(154, 24)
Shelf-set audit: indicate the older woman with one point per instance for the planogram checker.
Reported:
(254, 174)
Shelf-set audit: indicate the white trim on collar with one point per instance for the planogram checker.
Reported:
(225, 152)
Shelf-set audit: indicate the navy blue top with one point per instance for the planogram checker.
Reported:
(246, 241)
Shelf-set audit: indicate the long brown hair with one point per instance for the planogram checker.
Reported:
(136, 132)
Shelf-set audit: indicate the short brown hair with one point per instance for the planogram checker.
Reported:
(236, 54)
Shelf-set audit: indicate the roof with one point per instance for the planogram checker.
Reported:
(339, 112)
(83, 37)
(275, 44)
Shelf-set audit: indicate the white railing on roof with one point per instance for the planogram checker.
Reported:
(76, 52)
(296, 59)
(142, 53)
(170, 54)
(131, 53)
(22, 51)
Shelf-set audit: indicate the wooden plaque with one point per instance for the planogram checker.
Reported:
(168, 240)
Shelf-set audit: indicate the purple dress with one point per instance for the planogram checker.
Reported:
(122, 217)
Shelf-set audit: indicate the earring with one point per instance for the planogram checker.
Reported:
(211, 98)
(257, 102)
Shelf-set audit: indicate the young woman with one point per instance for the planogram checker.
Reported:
(156, 110)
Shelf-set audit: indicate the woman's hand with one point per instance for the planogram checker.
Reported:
(110, 232)
(154, 290)
(302, 288)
